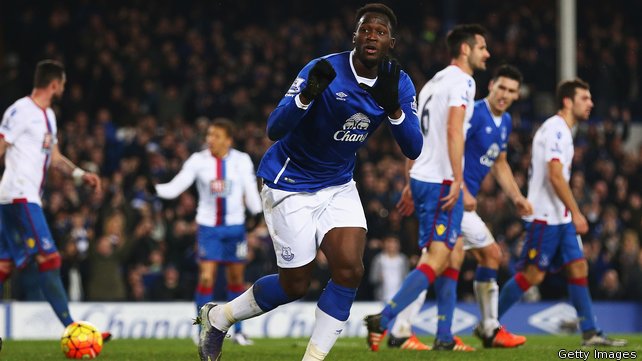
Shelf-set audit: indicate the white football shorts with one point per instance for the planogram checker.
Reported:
(298, 221)
(475, 232)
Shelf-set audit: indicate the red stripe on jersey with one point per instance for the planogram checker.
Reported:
(44, 166)
(220, 215)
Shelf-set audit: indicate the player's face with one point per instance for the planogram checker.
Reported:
(502, 92)
(218, 141)
(58, 86)
(478, 54)
(582, 104)
(372, 40)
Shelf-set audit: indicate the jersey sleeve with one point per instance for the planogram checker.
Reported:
(555, 139)
(12, 126)
(459, 93)
(54, 125)
(181, 181)
(508, 121)
(407, 133)
(289, 113)
(250, 190)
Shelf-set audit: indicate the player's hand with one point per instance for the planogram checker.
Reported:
(406, 205)
(93, 180)
(453, 195)
(386, 90)
(524, 207)
(319, 77)
(581, 225)
(470, 202)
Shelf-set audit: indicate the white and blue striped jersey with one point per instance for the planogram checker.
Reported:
(486, 138)
(226, 186)
(31, 132)
(320, 143)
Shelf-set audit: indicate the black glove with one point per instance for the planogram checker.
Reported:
(320, 76)
(386, 90)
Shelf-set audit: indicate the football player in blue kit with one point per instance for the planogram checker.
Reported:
(310, 200)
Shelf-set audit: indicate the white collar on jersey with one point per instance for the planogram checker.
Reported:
(360, 79)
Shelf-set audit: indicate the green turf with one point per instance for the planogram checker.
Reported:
(352, 349)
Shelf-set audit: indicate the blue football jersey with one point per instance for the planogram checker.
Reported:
(485, 140)
(320, 149)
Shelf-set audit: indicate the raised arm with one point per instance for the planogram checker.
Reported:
(179, 183)
(399, 105)
(314, 79)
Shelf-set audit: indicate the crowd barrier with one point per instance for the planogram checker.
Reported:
(36, 320)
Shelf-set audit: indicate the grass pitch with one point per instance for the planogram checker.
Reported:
(351, 349)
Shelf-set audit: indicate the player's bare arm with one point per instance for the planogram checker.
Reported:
(470, 202)
(504, 176)
(563, 191)
(3, 146)
(406, 206)
(68, 167)
(455, 154)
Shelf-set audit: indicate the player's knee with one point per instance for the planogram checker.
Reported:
(5, 271)
(491, 255)
(578, 268)
(205, 281)
(50, 263)
(297, 289)
(534, 276)
(348, 276)
(456, 258)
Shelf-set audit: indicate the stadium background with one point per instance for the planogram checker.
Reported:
(145, 77)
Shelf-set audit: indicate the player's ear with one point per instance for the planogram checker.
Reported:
(464, 48)
(354, 38)
(393, 41)
(490, 85)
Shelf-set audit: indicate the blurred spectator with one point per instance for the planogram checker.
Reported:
(388, 269)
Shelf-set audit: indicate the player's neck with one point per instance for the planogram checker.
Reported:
(220, 154)
(463, 65)
(494, 111)
(41, 98)
(568, 118)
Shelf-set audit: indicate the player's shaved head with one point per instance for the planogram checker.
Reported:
(378, 8)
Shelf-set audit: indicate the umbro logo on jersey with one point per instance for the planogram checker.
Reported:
(341, 96)
(489, 130)
(353, 129)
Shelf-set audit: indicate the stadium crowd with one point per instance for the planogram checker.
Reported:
(145, 78)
